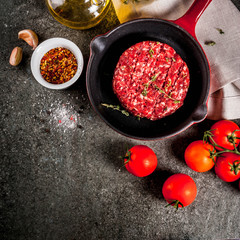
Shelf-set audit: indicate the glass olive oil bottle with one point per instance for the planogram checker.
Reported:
(78, 14)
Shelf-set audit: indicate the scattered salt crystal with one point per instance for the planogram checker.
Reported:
(64, 116)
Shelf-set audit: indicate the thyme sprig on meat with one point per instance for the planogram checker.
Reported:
(151, 52)
(168, 84)
(154, 77)
(146, 85)
(167, 95)
(167, 59)
(144, 92)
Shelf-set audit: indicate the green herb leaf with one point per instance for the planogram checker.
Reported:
(220, 30)
(174, 60)
(167, 59)
(209, 43)
(167, 95)
(151, 52)
(169, 84)
(146, 85)
(116, 107)
(144, 92)
(125, 112)
(154, 77)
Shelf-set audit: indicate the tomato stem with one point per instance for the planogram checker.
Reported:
(208, 137)
(127, 158)
(175, 203)
(235, 167)
(212, 155)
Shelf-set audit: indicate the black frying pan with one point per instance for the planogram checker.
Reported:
(105, 53)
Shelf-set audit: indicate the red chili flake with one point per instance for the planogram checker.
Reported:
(60, 121)
(58, 65)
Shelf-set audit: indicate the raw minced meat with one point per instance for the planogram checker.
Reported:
(151, 80)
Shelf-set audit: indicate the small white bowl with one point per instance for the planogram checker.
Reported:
(43, 48)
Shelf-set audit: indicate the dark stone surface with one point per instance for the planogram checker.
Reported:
(62, 180)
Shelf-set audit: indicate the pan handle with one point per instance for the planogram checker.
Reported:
(189, 20)
(200, 113)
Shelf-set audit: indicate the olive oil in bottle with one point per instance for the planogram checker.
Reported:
(78, 14)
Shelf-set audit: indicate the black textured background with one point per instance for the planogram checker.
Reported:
(62, 181)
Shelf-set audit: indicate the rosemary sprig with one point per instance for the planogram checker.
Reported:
(116, 107)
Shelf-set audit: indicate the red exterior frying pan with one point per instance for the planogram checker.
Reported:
(180, 35)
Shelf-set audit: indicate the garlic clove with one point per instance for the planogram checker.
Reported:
(16, 56)
(29, 36)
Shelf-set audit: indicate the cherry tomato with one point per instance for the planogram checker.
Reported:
(228, 167)
(198, 156)
(225, 133)
(140, 160)
(179, 190)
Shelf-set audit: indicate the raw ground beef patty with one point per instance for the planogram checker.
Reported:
(151, 80)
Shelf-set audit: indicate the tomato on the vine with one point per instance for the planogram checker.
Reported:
(225, 133)
(179, 190)
(227, 167)
(199, 156)
(140, 160)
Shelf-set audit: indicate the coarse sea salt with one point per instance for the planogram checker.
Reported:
(64, 116)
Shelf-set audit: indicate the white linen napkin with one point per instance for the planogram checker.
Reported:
(224, 56)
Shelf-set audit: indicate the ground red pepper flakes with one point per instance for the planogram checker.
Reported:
(58, 65)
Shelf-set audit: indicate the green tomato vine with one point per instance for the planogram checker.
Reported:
(208, 137)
